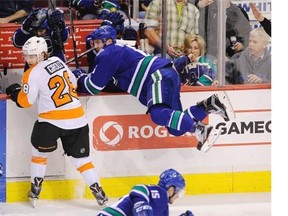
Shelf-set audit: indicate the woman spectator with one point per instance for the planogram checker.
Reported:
(201, 70)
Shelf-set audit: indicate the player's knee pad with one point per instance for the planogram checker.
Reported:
(160, 114)
(79, 162)
(142, 209)
(36, 153)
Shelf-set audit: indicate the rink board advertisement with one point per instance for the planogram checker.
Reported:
(2, 150)
(127, 146)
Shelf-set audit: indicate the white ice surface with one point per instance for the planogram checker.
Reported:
(244, 204)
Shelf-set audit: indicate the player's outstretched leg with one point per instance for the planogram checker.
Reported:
(219, 104)
(99, 194)
(206, 136)
(33, 194)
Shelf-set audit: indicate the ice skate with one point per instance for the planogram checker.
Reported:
(33, 194)
(206, 136)
(219, 104)
(99, 194)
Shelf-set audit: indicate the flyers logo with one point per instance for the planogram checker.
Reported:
(132, 132)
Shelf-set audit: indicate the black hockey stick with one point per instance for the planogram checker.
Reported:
(4, 71)
(80, 55)
(73, 34)
(57, 31)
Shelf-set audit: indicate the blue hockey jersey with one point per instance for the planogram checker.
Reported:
(156, 196)
(130, 67)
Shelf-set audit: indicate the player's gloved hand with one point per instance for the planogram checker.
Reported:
(129, 33)
(13, 91)
(78, 72)
(26, 25)
(113, 19)
(56, 20)
(187, 213)
(142, 209)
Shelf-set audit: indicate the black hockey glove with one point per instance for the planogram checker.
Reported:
(26, 25)
(129, 33)
(56, 20)
(13, 91)
(187, 213)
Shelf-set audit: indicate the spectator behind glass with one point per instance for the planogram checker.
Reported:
(237, 28)
(14, 11)
(254, 64)
(182, 19)
(201, 70)
(265, 23)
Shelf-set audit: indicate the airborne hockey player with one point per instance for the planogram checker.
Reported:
(155, 82)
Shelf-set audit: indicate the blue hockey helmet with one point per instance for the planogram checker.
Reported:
(103, 33)
(40, 19)
(172, 178)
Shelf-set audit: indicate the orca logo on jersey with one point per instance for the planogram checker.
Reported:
(54, 67)
(111, 133)
(132, 132)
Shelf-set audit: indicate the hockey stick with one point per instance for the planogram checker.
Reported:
(73, 34)
(57, 31)
(80, 55)
(4, 71)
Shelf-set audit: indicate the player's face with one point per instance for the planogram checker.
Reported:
(30, 59)
(173, 195)
(98, 44)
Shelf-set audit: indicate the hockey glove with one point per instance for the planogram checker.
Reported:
(13, 91)
(142, 209)
(115, 20)
(187, 213)
(26, 25)
(78, 72)
(129, 33)
(56, 20)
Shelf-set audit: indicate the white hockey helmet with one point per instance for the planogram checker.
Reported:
(35, 46)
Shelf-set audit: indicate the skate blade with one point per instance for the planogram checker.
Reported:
(224, 99)
(209, 142)
(33, 202)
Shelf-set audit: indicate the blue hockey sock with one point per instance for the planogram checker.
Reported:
(176, 120)
(197, 112)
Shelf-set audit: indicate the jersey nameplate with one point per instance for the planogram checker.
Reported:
(54, 67)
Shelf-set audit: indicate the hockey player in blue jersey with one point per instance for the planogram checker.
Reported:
(150, 200)
(155, 83)
(44, 23)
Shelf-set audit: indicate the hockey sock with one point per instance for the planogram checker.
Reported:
(38, 164)
(197, 112)
(86, 169)
(177, 121)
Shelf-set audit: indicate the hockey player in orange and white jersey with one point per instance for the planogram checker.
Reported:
(51, 84)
